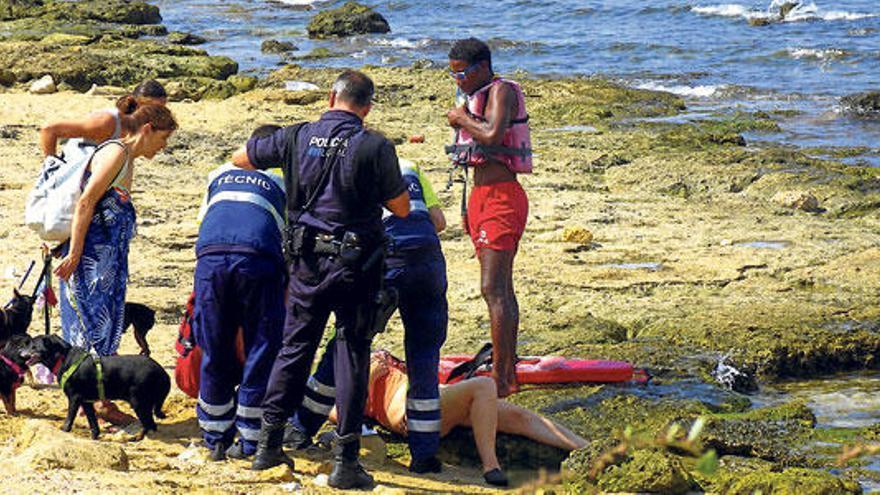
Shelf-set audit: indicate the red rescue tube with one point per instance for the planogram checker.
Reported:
(555, 369)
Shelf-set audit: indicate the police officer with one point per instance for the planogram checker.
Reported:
(239, 283)
(416, 268)
(338, 177)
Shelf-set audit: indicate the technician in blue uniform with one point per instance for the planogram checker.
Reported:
(338, 176)
(415, 267)
(239, 283)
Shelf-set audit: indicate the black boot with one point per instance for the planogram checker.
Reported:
(236, 451)
(425, 465)
(296, 439)
(347, 472)
(269, 452)
(218, 453)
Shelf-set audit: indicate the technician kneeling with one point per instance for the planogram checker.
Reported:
(338, 176)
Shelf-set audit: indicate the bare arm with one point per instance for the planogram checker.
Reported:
(399, 205)
(498, 114)
(437, 218)
(105, 165)
(241, 160)
(97, 127)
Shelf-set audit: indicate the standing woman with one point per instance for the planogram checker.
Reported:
(94, 270)
(102, 125)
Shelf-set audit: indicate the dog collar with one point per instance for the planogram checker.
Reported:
(15, 368)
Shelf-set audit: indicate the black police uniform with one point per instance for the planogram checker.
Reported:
(337, 266)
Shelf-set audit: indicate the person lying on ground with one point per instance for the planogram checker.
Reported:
(473, 403)
(102, 125)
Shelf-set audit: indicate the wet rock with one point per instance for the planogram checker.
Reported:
(786, 8)
(767, 433)
(798, 200)
(350, 19)
(43, 448)
(316, 54)
(793, 480)
(647, 471)
(179, 38)
(7, 77)
(760, 21)
(42, 86)
(514, 452)
(275, 46)
(138, 30)
(865, 104)
(735, 377)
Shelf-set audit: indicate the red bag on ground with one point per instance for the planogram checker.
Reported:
(189, 355)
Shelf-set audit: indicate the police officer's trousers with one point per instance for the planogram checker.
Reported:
(318, 286)
(236, 291)
(421, 284)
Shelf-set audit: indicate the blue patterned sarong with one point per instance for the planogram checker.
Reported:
(93, 299)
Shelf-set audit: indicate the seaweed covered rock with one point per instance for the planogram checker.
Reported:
(275, 46)
(113, 11)
(865, 104)
(350, 19)
(111, 61)
(767, 433)
(198, 88)
(647, 471)
(792, 480)
(19, 9)
(179, 38)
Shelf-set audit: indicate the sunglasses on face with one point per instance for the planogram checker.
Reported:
(464, 73)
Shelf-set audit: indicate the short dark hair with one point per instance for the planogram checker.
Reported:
(265, 130)
(150, 88)
(471, 50)
(354, 87)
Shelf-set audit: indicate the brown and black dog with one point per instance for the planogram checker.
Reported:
(15, 318)
(139, 380)
(13, 368)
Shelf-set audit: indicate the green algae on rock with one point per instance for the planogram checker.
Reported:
(351, 18)
(647, 471)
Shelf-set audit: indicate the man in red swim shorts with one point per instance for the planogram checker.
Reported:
(492, 137)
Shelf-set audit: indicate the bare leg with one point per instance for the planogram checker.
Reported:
(473, 403)
(520, 421)
(496, 285)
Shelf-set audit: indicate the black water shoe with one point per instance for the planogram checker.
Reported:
(495, 477)
(426, 465)
(218, 453)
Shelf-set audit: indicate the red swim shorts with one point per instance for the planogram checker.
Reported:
(497, 215)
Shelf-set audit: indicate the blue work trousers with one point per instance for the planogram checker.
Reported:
(236, 291)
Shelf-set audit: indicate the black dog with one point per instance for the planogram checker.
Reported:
(16, 317)
(139, 380)
(142, 319)
(13, 368)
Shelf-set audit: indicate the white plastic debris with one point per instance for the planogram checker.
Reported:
(299, 86)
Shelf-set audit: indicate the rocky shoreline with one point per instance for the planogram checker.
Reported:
(691, 244)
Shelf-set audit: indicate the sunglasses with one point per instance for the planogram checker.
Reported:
(464, 73)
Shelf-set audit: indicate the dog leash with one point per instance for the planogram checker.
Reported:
(76, 364)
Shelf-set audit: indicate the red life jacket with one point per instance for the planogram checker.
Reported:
(515, 150)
